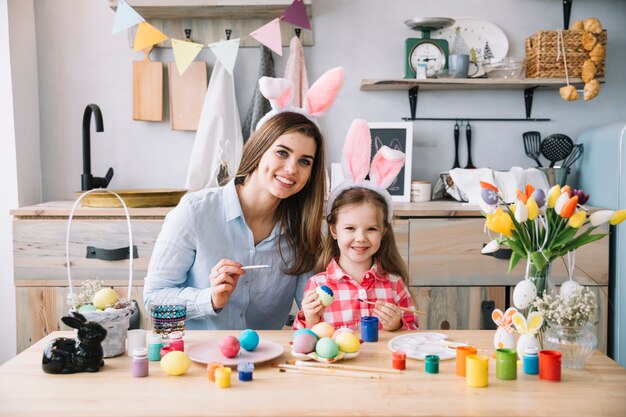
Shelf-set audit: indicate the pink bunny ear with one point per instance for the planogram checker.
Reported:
(279, 91)
(357, 150)
(323, 92)
(386, 165)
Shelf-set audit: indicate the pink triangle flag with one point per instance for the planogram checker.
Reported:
(296, 15)
(269, 35)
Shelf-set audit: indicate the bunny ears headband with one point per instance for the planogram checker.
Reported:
(384, 168)
(321, 95)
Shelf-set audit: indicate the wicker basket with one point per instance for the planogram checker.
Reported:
(542, 52)
(116, 321)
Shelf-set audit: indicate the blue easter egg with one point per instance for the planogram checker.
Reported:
(249, 339)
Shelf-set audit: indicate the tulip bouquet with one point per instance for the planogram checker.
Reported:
(540, 226)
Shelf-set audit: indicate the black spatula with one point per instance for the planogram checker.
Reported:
(556, 148)
(532, 144)
(456, 146)
(468, 138)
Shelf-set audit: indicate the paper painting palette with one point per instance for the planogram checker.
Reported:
(419, 345)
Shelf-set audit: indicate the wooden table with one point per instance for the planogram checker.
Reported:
(25, 390)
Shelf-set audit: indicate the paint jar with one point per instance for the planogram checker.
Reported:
(139, 366)
(176, 341)
(431, 364)
(398, 360)
(461, 354)
(369, 329)
(210, 369)
(550, 365)
(245, 371)
(506, 364)
(477, 370)
(531, 360)
(154, 347)
(222, 377)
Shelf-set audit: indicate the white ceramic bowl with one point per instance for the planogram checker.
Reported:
(504, 68)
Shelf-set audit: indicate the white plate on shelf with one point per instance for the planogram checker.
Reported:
(419, 345)
(474, 35)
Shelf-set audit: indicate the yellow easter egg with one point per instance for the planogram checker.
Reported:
(348, 342)
(104, 298)
(323, 329)
(175, 363)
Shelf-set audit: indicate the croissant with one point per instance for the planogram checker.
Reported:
(597, 54)
(589, 71)
(588, 40)
(592, 25)
(592, 88)
(577, 25)
(568, 93)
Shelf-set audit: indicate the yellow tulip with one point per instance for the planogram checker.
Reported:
(618, 217)
(500, 222)
(533, 208)
(578, 219)
(553, 195)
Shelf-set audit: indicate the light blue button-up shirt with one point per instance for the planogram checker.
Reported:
(204, 228)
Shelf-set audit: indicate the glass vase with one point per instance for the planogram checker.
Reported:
(542, 278)
(576, 343)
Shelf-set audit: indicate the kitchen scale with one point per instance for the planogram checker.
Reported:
(426, 52)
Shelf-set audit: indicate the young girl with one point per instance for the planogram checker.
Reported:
(360, 256)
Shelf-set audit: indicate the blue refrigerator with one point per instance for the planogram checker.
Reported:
(601, 171)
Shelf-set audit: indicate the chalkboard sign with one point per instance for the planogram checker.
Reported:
(398, 136)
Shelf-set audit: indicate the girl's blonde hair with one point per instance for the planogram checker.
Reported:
(388, 255)
(300, 215)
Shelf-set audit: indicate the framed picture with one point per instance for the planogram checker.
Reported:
(396, 135)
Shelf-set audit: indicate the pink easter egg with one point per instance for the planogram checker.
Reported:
(304, 343)
(229, 346)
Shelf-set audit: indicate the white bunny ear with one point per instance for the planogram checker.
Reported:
(323, 92)
(279, 91)
(357, 150)
(386, 165)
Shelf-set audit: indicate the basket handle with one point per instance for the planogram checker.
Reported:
(67, 243)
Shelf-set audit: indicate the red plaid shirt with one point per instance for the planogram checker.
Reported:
(346, 310)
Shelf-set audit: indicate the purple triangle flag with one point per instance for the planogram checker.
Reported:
(296, 15)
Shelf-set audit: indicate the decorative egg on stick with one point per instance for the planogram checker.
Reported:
(325, 295)
(524, 294)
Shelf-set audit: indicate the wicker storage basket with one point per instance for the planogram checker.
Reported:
(542, 52)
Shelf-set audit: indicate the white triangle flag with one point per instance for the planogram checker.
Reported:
(125, 17)
(226, 53)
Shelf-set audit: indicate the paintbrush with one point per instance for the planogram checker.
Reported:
(323, 371)
(410, 310)
(256, 266)
(344, 367)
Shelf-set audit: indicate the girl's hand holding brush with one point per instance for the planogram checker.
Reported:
(389, 314)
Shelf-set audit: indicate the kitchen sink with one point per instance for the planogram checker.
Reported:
(155, 197)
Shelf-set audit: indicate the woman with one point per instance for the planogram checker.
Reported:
(269, 214)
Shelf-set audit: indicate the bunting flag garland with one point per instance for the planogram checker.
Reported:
(184, 53)
(226, 53)
(147, 35)
(296, 15)
(269, 35)
(125, 17)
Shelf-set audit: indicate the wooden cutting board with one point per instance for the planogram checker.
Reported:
(148, 89)
(187, 95)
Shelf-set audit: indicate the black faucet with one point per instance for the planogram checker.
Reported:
(88, 181)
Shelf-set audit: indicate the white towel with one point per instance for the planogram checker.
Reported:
(295, 71)
(218, 138)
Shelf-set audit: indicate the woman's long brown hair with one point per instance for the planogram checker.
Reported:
(300, 215)
(388, 255)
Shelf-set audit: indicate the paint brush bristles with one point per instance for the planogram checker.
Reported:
(323, 371)
(409, 310)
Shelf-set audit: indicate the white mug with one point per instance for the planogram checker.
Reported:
(420, 191)
(135, 338)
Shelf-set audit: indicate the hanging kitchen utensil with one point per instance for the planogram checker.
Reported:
(532, 145)
(187, 94)
(456, 145)
(576, 153)
(147, 89)
(468, 138)
(556, 147)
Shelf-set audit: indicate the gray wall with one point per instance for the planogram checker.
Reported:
(80, 63)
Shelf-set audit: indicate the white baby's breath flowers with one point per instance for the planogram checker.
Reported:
(85, 296)
(573, 311)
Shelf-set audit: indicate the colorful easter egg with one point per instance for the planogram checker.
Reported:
(348, 342)
(523, 294)
(229, 346)
(326, 348)
(175, 363)
(568, 288)
(304, 343)
(104, 298)
(309, 331)
(325, 295)
(323, 329)
(340, 331)
(249, 340)
(86, 308)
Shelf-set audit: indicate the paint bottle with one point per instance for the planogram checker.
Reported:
(477, 370)
(139, 366)
(431, 364)
(154, 347)
(398, 360)
(176, 341)
(222, 377)
(462, 352)
(531, 360)
(369, 329)
(506, 364)
(550, 365)
(245, 371)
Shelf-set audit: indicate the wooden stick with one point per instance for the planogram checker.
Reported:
(256, 266)
(324, 371)
(345, 367)
(409, 310)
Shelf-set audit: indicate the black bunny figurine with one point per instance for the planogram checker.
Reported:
(83, 354)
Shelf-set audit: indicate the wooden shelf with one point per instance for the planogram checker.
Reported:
(466, 84)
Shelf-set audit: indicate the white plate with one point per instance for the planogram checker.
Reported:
(473, 35)
(419, 345)
(209, 351)
(340, 355)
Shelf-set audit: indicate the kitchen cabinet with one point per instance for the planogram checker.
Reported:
(451, 282)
